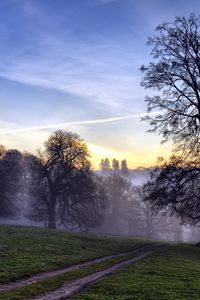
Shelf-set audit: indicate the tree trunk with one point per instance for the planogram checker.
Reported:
(52, 214)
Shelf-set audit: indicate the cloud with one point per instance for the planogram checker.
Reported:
(32, 138)
(146, 149)
(86, 122)
(7, 126)
(95, 68)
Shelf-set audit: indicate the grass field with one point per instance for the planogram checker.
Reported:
(170, 274)
(56, 282)
(173, 273)
(25, 251)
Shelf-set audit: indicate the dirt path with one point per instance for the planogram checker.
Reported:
(76, 286)
(42, 276)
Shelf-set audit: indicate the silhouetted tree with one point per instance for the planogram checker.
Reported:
(156, 224)
(134, 212)
(120, 194)
(65, 186)
(105, 166)
(174, 186)
(10, 181)
(102, 165)
(84, 206)
(124, 168)
(36, 188)
(175, 74)
(115, 165)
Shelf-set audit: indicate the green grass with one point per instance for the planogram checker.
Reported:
(25, 251)
(173, 273)
(54, 283)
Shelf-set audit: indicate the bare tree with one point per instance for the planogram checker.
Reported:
(64, 185)
(84, 206)
(175, 75)
(155, 222)
(174, 186)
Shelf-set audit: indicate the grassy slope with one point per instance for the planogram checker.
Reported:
(172, 274)
(25, 251)
(56, 282)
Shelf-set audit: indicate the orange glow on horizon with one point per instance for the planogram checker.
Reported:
(146, 157)
(139, 157)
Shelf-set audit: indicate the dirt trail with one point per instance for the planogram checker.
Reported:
(76, 286)
(42, 276)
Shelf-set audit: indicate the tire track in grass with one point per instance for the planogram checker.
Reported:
(43, 276)
(76, 286)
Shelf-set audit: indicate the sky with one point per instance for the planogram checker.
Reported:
(74, 65)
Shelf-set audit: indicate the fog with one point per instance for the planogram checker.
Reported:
(22, 221)
(109, 202)
(139, 176)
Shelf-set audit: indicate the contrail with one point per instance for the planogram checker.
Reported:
(86, 122)
(150, 148)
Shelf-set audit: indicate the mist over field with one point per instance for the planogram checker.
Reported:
(122, 211)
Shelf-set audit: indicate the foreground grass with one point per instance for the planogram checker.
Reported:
(54, 283)
(173, 273)
(26, 251)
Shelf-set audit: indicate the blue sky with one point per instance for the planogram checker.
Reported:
(65, 61)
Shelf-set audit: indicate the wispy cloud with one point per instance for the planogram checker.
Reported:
(86, 122)
(88, 68)
(81, 75)
(152, 148)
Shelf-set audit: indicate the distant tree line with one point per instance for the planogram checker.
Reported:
(120, 168)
